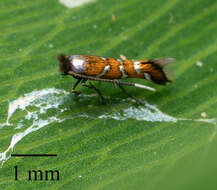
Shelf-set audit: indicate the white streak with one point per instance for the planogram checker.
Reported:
(106, 69)
(123, 57)
(74, 3)
(124, 75)
(103, 58)
(145, 87)
(137, 67)
(147, 76)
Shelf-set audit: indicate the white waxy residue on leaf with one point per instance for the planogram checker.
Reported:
(143, 113)
(43, 100)
(35, 115)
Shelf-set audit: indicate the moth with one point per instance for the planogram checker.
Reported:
(89, 67)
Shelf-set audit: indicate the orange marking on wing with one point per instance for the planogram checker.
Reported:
(146, 67)
(129, 69)
(94, 66)
(114, 72)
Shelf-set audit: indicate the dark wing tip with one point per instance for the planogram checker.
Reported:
(162, 62)
(159, 65)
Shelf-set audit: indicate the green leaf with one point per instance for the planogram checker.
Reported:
(169, 143)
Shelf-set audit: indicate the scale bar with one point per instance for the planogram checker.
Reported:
(33, 155)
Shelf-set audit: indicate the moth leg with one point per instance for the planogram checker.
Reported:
(83, 81)
(75, 85)
(90, 85)
(138, 101)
